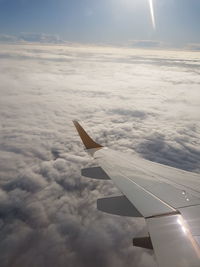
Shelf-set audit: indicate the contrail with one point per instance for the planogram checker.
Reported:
(152, 14)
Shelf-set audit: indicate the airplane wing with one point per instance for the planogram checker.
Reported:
(168, 199)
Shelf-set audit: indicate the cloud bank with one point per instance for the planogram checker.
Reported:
(140, 101)
(31, 38)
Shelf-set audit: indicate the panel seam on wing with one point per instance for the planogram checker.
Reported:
(148, 192)
(164, 214)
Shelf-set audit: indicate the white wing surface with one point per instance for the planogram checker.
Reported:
(168, 198)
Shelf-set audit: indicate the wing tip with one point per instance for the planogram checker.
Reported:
(88, 142)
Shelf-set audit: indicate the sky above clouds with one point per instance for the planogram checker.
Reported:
(105, 21)
(139, 101)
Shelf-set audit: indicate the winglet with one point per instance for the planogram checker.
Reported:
(86, 139)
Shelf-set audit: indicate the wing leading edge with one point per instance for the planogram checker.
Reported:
(164, 196)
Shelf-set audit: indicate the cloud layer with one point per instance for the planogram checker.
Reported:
(133, 100)
(31, 38)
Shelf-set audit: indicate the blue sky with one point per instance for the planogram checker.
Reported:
(115, 21)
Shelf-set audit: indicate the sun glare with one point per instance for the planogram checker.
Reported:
(152, 14)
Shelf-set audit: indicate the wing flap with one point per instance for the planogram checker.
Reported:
(192, 216)
(173, 242)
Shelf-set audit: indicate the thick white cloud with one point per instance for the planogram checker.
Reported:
(139, 101)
